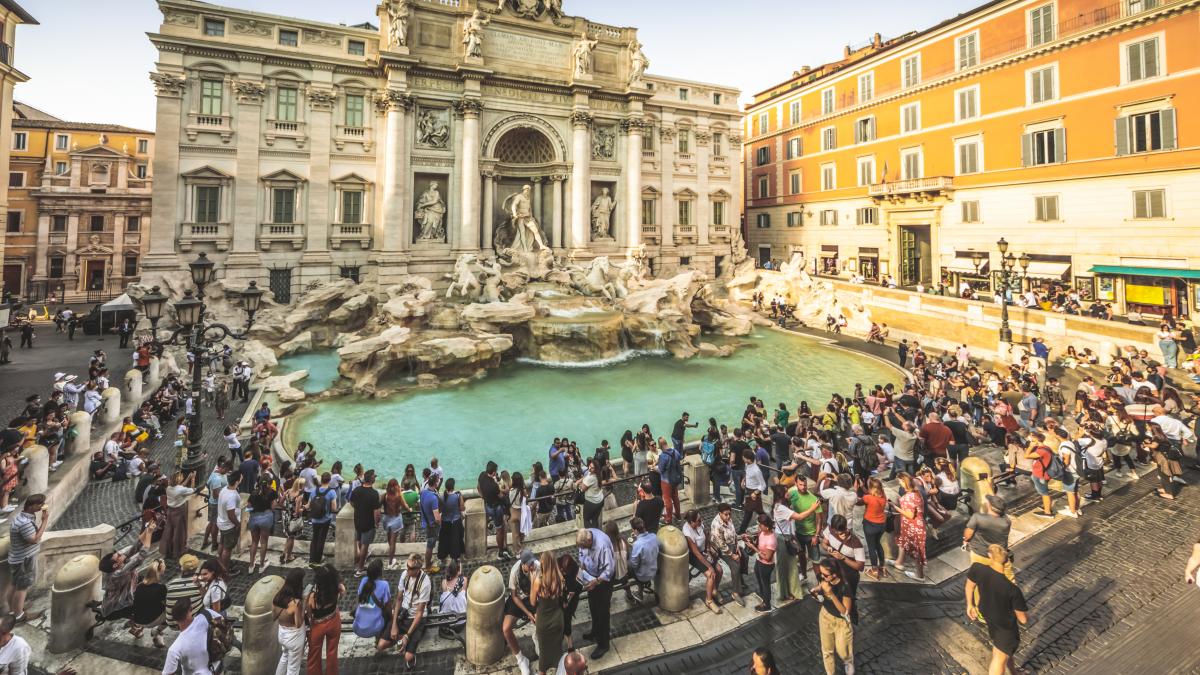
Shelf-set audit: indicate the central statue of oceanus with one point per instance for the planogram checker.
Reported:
(526, 233)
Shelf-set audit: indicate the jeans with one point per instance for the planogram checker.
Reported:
(763, 573)
(874, 532)
(316, 547)
(670, 497)
(735, 479)
(716, 484)
(328, 631)
(291, 655)
(908, 466)
(591, 513)
(566, 513)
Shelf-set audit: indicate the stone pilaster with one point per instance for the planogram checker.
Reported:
(581, 178)
(556, 217)
(165, 215)
(703, 200)
(469, 184)
(489, 209)
(633, 128)
(668, 210)
(320, 131)
(390, 229)
(244, 261)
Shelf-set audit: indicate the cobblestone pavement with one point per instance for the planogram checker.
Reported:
(32, 370)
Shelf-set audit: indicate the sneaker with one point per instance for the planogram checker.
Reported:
(358, 573)
(1068, 513)
(1043, 514)
(913, 575)
(523, 664)
(1093, 498)
(1133, 475)
(9, 509)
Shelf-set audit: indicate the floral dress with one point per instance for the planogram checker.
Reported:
(911, 538)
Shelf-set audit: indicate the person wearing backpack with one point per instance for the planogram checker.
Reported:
(188, 654)
(672, 476)
(372, 601)
(321, 508)
(865, 451)
(1048, 465)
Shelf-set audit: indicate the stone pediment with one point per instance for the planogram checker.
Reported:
(284, 176)
(98, 151)
(94, 247)
(351, 178)
(207, 172)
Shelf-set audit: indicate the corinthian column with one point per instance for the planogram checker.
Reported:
(581, 178)
(633, 181)
(165, 213)
(389, 231)
(469, 109)
(556, 230)
(489, 208)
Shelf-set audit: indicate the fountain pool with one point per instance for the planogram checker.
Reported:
(513, 414)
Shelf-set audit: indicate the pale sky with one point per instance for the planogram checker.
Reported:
(90, 61)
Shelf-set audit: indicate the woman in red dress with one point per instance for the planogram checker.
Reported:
(910, 538)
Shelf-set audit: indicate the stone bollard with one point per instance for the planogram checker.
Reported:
(112, 405)
(77, 583)
(154, 373)
(344, 539)
(5, 574)
(672, 581)
(485, 610)
(260, 639)
(37, 470)
(976, 476)
(1107, 353)
(133, 387)
(695, 473)
(81, 445)
(475, 529)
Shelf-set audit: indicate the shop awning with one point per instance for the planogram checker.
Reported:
(1042, 269)
(966, 266)
(1146, 271)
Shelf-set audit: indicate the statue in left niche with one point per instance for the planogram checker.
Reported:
(473, 34)
(432, 130)
(431, 215)
(398, 13)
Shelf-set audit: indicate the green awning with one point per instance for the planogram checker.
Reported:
(1146, 271)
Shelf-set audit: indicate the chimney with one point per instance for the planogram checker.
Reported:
(877, 41)
(846, 52)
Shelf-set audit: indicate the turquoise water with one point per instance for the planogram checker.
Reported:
(513, 414)
(322, 370)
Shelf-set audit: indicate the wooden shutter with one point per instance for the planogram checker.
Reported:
(1133, 67)
(1060, 146)
(1027, 150)
(1122, 136)
(1166, 121)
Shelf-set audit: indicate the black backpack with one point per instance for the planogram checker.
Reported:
(220, 636)
(318, 506)
(867, 454)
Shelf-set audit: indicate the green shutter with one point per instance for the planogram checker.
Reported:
(1027, 150)
(1133, 54)
(1122, 136)
(1166, 120)
(1060, 146)
(1150, 57)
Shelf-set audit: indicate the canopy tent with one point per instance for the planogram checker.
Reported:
(121, 303)
(1048, 270)
(1146, 271)
(963, 265)
(103, 318)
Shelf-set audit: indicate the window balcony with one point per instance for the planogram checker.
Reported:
(719, 231)
(270, 234)
(651, 234)
(222, 125)
(345, 134)
(342, 233)
(921, 188)
(217, 234)
(294, 130)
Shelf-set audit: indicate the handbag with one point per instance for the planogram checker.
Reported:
(891, 520)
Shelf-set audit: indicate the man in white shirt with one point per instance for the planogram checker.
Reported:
(14, 650)
(229, 504)
(840, 497)
(189, 653)
(1175, 431)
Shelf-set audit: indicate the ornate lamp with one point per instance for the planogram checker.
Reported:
(188, 310)
(204, 271)
(1002, 246)
(251, 297)
(152, 305)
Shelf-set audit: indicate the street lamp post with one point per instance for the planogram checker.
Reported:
(197, 337)
(1008, 263)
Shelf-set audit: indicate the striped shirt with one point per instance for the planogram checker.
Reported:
(182, 587)
(21, 534)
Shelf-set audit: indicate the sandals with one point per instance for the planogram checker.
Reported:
(716, 609)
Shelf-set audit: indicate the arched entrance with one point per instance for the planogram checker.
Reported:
(523, 150)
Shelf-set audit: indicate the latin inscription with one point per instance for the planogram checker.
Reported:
(526, 48)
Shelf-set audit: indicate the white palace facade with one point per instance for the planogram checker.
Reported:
(293, 151)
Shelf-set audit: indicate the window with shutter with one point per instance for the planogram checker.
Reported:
(970, 211)
(968, 51)
(1046, 209)
(1146, 132)
(1041, 25)
(911, 67)
(968, 158)
(866, 87)
(827, 101)
(1149, 204)
(1041, 85)
(1141, 60)
(968, 103)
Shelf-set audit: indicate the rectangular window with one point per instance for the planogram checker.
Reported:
(287, 101)
(351, 272)
(649, 212)
(718, 213)
(793, 148)
(20, 141)
(968, 157)
(62, 142)
(827, 101)
(133, 223)
(794, 182)
(1146, 132)
(763, 220)
(794, 112)
(968, 51)
(763, 156)
(716, 98)
(60, 168)
(866, 171)
(911, 68)
(970, 211)
(214, 27)
(143, 146)
(131, 265)
(829, 138)
(867, 215)
(140, 171)
(96, 223)
(967, 104)
(1048, 146)
(289, 38)
(911, 164)
(764, 121)
(648, 141)
(1149, 203)
(211, 92)
(356, 48)
(1141, 60)
(829, 177)
(352, 207)
(355, 107)
(764, 187)
(16, 179)
(866, 87)
(1041, 85)
(829, 217)
(864, 130)
(910, 118)
(718, 143)
(683, 94)
(56, 267)
(685, 141)
(685, 213)
(283, 205)
(795, 218)
(58, 224)
(1046, 209)
(14, 222)
(208, 204)
(1138, 6)
(1041, 25)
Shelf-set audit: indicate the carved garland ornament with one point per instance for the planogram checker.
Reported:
(634, 125)
(252, 27)
(703, 138)
(321, 99)
(180, 18)
(322, 37)
(167, 85)
(249, 92)
(667, 133)
(735, 141)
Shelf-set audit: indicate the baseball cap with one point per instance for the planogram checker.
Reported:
(997, 504)
(527, 557)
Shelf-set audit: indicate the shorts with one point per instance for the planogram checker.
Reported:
(697, 563)
(365, 538)
(497, 514)
(405, 621)
(230, 537)
(261, 520)
(1004, 640)
(511, 609)
(24, 573)
(212, 513)
(393, 524)
(431, 536)
(1041, 486)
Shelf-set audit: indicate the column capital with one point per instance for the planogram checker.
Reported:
(468, 107)
(537, 179)
(635, 125)
(666, 133)
(167, 85)
(581, 119)
(321, 99)
(388, 100)
(558, 178)
(735, 140)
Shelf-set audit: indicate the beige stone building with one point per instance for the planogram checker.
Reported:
(294, 151)
(11, 16)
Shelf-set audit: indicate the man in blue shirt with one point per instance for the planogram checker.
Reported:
(431, 520)
(643, 558)
(596, 570)
(671, 474)
(558, 458)
(321, 522)
(215, 483)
